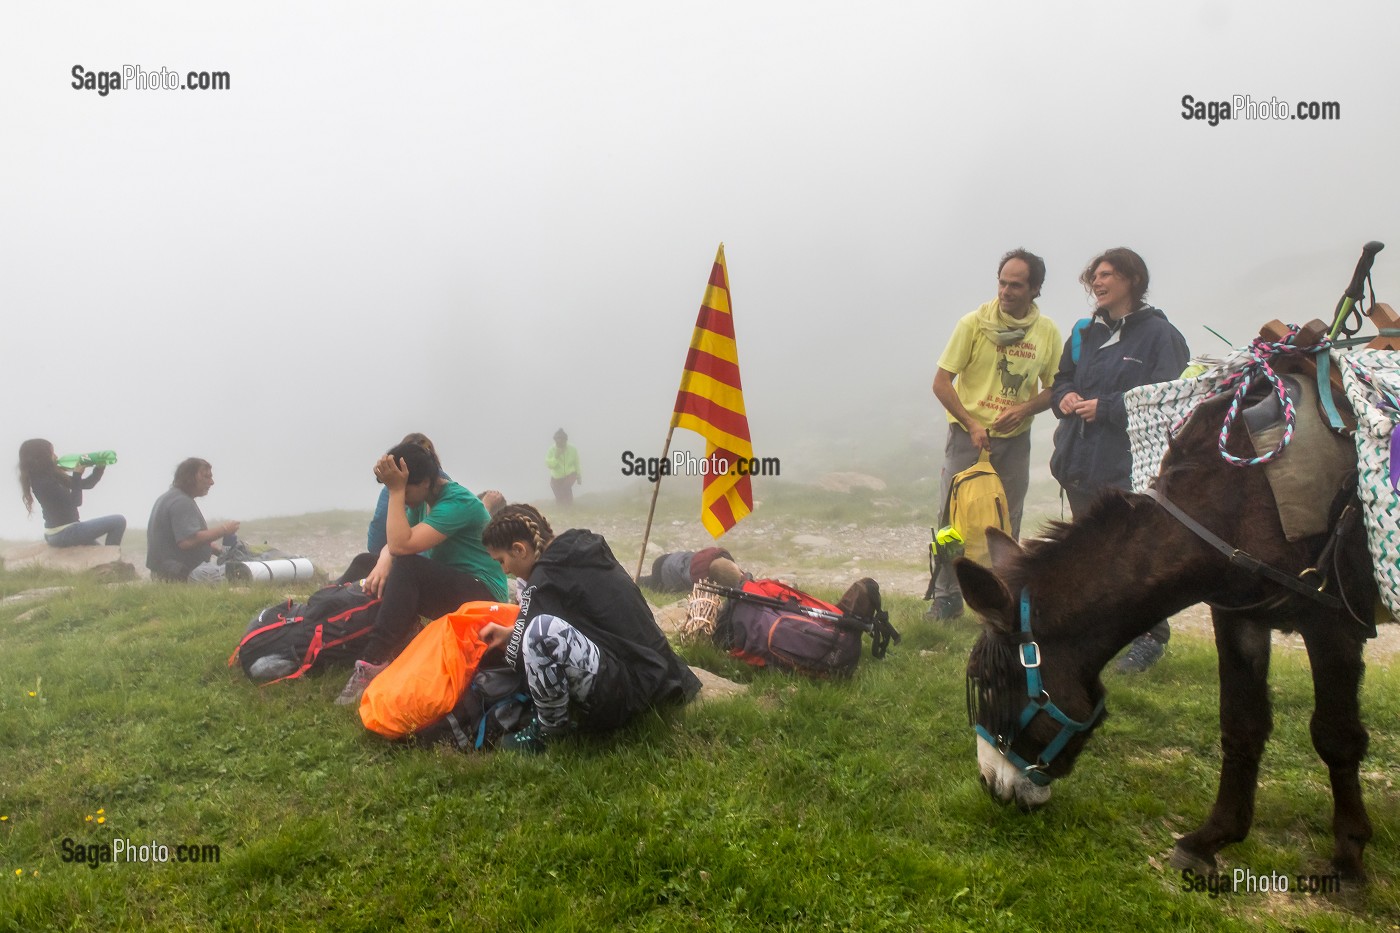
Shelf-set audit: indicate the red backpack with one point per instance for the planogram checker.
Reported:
(769, 623)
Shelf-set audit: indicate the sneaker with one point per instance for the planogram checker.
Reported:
(945, 608)
(360, 677)
(1144, 652)
(534, 737)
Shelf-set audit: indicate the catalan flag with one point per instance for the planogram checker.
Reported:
(711, 403)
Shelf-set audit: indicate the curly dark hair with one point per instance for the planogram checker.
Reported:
(1126, 263)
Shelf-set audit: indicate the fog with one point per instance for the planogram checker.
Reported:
(487, 221)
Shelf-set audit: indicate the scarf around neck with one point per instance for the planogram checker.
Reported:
(1002, 329)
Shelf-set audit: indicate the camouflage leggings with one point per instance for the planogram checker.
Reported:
(560, 664)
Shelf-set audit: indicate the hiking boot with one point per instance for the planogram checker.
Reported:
(534, 737)
(1144, 652)
(945, 608)
(360, 677)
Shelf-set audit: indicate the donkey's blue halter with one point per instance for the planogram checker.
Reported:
(1038, 701)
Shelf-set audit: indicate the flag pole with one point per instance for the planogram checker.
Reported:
(655, 491)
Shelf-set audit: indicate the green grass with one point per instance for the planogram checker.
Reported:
(843, 806)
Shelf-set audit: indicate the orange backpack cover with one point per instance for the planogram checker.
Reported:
(425, 681)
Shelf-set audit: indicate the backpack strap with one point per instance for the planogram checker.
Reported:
(458, 733)
(342, 616)
(312, 650)
(282, 619)
(935, 563)
(1076, 337)
(481, 728)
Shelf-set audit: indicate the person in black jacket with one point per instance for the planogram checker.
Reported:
(1127, 343)
(59, 494)
(585, 638)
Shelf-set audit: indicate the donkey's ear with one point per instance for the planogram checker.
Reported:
(1004, 550)
(985, 593)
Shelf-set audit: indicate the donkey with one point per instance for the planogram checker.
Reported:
(1010, 382)
(1056, 611)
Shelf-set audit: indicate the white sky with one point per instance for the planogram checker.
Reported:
(484, 221)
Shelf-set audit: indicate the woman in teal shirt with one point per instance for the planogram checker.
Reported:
(433, 562)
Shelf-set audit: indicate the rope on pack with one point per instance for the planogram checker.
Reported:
(1261, 352)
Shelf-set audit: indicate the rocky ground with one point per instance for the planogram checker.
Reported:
(813, 548)
(811, 554)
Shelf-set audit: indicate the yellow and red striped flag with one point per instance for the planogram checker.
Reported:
(711, 403)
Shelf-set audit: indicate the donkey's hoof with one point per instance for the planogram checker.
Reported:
(1183, 859)
(1349, 870)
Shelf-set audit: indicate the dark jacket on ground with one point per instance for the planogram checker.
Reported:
(1094, 455)
(60, 493)
(578, 580)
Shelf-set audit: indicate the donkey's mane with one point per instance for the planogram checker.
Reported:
(1192, 448)
(1113, 510)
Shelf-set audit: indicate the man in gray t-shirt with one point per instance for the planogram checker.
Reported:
(178, 541)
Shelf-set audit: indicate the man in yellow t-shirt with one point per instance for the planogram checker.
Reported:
(993, 378)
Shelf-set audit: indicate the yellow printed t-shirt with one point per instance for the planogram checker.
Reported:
(986, 387)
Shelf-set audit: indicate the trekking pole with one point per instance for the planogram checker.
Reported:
(786, 605)
(655, 491)
(1355, 292)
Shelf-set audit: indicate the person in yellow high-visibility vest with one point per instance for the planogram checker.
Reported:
(564, 474)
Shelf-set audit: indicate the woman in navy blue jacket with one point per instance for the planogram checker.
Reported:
(1127, 343)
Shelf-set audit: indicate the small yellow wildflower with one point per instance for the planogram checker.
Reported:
(19, 871)
(33, 694)
(4, 819)
(100, 811)
(102, 819)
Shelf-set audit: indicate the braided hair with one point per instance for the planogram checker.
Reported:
(518, 522)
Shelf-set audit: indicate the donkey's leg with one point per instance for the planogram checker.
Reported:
(1242, 644)
(1334, 652)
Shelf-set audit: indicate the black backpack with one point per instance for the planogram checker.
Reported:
(290, 639)
(495, 702)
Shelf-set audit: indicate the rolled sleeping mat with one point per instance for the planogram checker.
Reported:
(269, 571)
